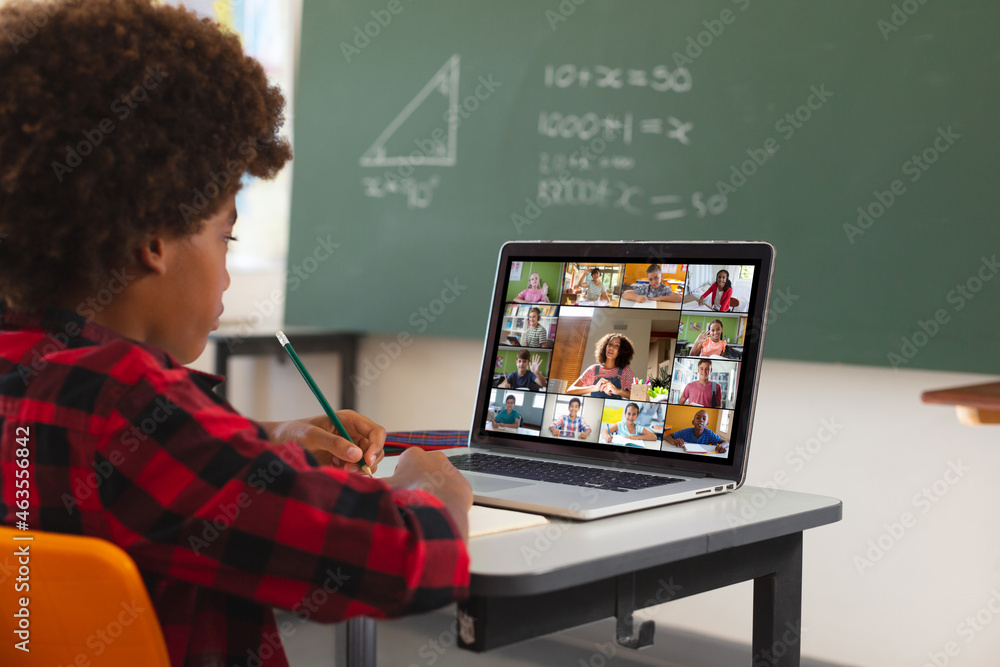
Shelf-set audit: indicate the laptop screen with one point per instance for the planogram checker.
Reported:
(617, 355)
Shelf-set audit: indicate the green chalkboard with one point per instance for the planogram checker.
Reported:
(858, 137)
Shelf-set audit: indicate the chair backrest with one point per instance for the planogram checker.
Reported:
(85, 603)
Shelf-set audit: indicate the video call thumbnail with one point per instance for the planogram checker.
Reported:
(526, 325)
(714, 335)
(632, 424)
(694, 430)
(521, 369)
(572, 418)
(718, 288)
(609, 353)
(515, 412)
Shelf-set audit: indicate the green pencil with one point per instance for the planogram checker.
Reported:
(283, 339)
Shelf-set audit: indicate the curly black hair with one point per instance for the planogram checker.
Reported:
(625, 350)
(119, 119)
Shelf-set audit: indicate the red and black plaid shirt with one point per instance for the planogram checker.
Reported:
(128, 445)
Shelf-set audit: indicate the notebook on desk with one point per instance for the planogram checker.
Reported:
(592, 451)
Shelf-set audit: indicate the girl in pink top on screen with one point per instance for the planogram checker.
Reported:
(537, 291)
(721, 292)
(710, 342)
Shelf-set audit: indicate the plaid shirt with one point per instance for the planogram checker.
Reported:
(127, 445)
(571, 428)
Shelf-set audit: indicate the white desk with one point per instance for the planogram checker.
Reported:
(519, 430)
(536, 581)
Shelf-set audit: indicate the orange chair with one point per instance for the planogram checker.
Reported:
(86, 604)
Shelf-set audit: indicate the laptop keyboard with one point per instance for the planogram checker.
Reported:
(560, 473)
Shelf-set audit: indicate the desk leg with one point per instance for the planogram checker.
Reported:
(222, 366)
(348, 369)
(355, 643)
(777, 608)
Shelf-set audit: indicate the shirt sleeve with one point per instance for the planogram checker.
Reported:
(724, 301)
(522, 294)
(197, 493)
(588, 376)
(584, 426)
(713, 437)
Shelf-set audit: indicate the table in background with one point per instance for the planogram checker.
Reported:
(533, 582)
(230, 343)
(976, 404)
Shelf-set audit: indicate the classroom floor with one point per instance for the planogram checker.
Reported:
(427, 640)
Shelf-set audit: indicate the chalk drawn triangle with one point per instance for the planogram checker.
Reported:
(440, 153)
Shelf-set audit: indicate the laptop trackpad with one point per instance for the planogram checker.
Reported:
(490, 484)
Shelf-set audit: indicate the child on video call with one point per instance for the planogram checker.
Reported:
(611, 376)
(523, 378)
(719, 294)
(571, 425)
(709, 342)
(508, 417)
(627, 426)
(592, 286)
(536, 292)
(112, 271)
(535, 334)
(698, 434)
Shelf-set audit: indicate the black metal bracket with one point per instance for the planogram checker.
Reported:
(625, 633)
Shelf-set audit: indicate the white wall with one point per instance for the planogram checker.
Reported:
(855, 433)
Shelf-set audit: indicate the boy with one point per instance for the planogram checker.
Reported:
(698, 435)
(656, 290)
(507, 418)
(571, 426)
(522, 378)
(703, 392)
(112, 269)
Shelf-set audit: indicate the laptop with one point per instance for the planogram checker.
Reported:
(634, 382)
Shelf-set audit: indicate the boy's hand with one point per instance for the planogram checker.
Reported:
(433, 472)
(536, 361)
(319, 436)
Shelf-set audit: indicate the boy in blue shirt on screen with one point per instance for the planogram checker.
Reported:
(523, 378)
(698, 434)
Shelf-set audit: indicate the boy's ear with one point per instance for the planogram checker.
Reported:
(152, 255)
